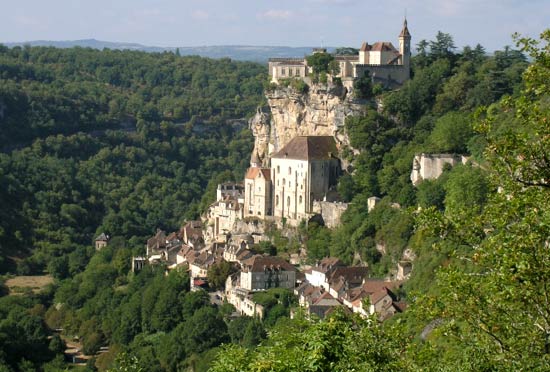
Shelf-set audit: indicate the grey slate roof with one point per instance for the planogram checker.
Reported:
(308, 148)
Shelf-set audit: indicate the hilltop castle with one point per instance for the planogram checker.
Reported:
(385, 64)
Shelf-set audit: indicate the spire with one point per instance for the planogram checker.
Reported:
(405, 31)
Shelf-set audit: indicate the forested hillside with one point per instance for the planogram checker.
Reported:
(126, 142)
(113, 141)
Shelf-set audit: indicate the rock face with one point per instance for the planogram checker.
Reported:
(319, 112)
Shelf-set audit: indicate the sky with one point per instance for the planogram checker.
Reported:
(272, 22)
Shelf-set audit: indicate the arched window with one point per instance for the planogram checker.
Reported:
(300, 199)
(276, 199)
(288, 201)
(289, 171)
(278, 169)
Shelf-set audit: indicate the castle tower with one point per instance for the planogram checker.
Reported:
(405, 48)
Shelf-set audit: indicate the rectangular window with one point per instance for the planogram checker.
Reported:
(283, 71)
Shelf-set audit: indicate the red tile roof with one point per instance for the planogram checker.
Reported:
(383, 46)
(365, 47)
(254, 172)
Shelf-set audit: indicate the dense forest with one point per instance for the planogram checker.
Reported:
(126, 142)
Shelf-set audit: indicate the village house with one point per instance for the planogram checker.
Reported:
(191, 234)
(318, 275)
(222, 216)
(385, 64)
(315, 300)
(257, 184)
(241, 298)
(101, 241)
(233, 189)
(374, 296)
(237, 253)
(264, 272)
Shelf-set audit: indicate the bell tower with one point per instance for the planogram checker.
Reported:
(405, 47)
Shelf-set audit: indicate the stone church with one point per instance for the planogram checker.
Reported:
(302, 172)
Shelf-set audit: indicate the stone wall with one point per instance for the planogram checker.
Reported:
(430, 166)
(330, 211)
(391, 76)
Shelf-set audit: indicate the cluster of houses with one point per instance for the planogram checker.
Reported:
(331, 284)
(320, 288)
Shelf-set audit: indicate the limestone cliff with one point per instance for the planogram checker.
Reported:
(320, 111)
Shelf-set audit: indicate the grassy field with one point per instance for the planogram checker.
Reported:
(21, 284)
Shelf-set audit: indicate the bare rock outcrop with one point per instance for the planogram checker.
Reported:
(321, 111)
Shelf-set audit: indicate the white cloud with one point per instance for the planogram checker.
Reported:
(277, 14)
(200, 15)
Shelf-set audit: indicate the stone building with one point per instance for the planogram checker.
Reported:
(223, 214)
(257, 183)
(264, 272)
(385, 64)
(233, 189)
(301, 172)
(431, 166)
(101, 241)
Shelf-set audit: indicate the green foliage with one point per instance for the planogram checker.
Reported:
(451, 133)
(491, 297)
(431, 193)
(23, 334)
(95, 89)
(299, 85)
(340, 343)
(363, 86)
(320, 62)
(218, 273)
(466, 191)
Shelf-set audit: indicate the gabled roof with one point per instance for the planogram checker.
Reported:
(254, 172)
(365, 47)
(308, 148)
(383, 46)
(102, 238)
(326, 299)
(352, 275)
(328, 263)
(157, 241)
(192, 228)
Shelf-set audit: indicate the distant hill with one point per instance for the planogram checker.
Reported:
(236, 52)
